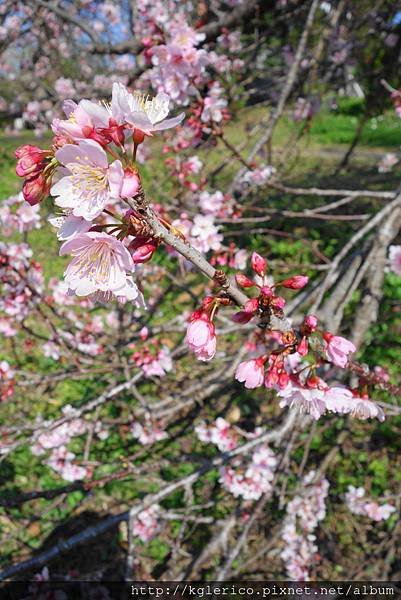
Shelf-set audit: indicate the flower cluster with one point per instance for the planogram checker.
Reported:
(61, 461)
(146, 525)
(304, 513)
(21, 282)
(358, 504)
(147, 434)
(87, 187)
(251, 481)
(153, 358)
(18, 216)
(221, 434)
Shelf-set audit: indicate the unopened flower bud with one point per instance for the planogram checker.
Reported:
(295, 283)
(244, 281)
(258, 264)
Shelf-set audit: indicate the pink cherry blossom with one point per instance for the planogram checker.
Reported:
(219, 433)
(309, 401)
(201, 336)
(142, 113)
(100, 263)
(204, 234)
(359, 504)
(304, 513)
(253, 480)
(145, 525)
(337, 349)
(251, 372)
(147, 434)
(90, 182)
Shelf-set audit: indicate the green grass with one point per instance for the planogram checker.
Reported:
(383, 131)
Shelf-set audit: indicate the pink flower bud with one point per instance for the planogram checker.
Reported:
(295, 283)
(30, 161)
(302, 347)
(131, 183)
(278, 302)
(242, 317)
(311, 322)
(142, 249)
(267, 291)
(36, 189)
(252, 305)
(144, 333)
(244, 281)
(201, 336)
(258, 264)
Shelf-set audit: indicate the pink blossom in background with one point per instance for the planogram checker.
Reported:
(6, 380)
(214, 105)
(147, 434)
(64, 88)
(258, 176)
(387, 163)
(221, 434)
(252, 480)
(205, 234)
(146, 525)
(358, 504)
(16, 215)
(394, 255)
(304, 514)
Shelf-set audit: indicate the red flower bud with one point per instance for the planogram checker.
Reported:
(30, 161)
(36, 189)
(138, 136)
(311, 322)
(242, 317)
(244, 281)
(142, 249)
(302, 347)
(295, 283)
(258, 264)
(252, 305)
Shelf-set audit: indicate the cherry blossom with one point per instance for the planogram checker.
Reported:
(201, 335)
(358, 504)
(253, 480)
(338, 349)
(251, 372)
(60, 461)
(100, 263)
(147, 434)
(91, 182)
(304, 514)
(220, 433)
(142, 113)
(146, 525)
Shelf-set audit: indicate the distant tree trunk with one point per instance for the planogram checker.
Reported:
(355, 141)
